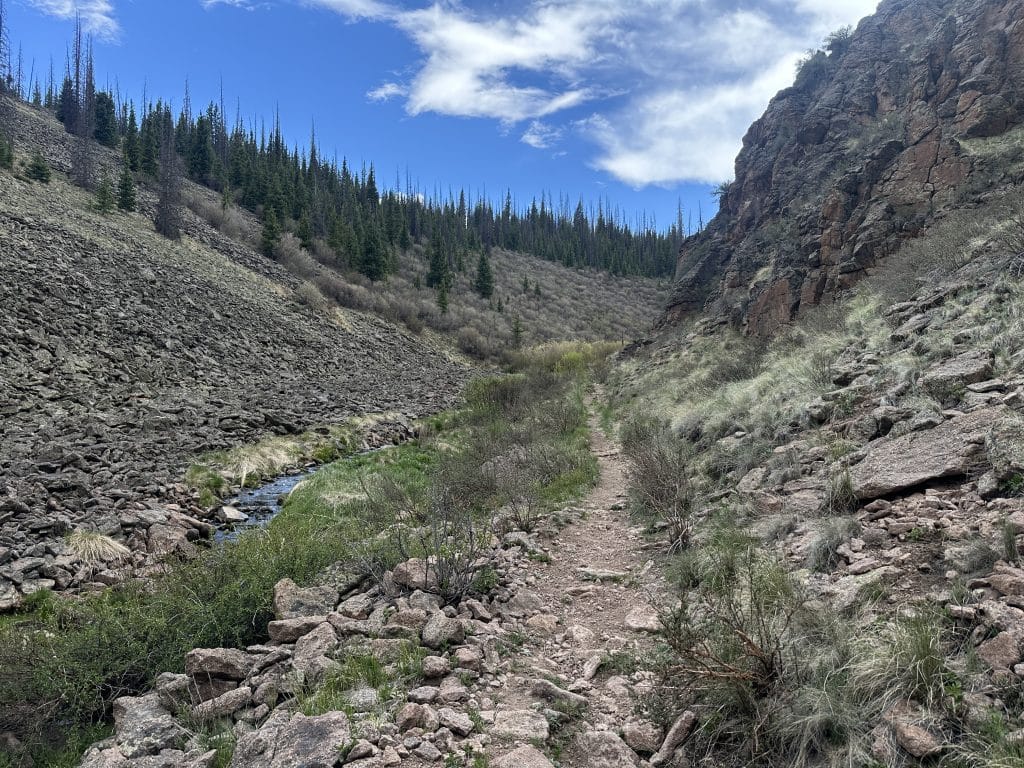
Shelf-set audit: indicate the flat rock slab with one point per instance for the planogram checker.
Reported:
(520, 725)
(949, 450)
(524, 757)
(291, 741)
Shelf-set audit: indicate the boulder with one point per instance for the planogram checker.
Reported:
(143, 727)
(523, 757)
(292, 601)
(458, 723)
(440, 631)
(520, 725)
(224, 705)
(227, 663)
(291, 741)
(918, 741)
(643, 618)
(951, 449)
(604, 749)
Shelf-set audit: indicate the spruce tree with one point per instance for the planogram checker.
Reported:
(132, 145)
(484, 276)
(168, 204)
(105, 131)
(271, 233)
(517, 332)
(374, 263)
(38, 169)
(104, 196)
(126, 190)
(442, 297)
(439, 270)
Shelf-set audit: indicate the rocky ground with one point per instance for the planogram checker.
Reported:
(124, 355)
(505, 680)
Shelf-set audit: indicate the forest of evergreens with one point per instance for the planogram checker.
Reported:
(316, 198)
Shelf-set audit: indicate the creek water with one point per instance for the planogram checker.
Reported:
(262, 504)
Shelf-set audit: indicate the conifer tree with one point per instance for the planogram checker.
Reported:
(484, 277)
(374, 263)
(105, 131)
(517, 332)
(132, 146)
(104, 196)
(271, 233)
(439, 270)
(168, 204)
(38, 169)
(126, 190)
(442, 297)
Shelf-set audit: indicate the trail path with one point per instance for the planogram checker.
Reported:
(597, 597)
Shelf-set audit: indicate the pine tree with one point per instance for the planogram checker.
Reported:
(484, 276)
(105, 131)
(38, 169)
(126, 190)
(439, 271)
(517, 332)
(104, 202)
(132, 146)
(168, 204)
(442, 297)
(67, 105)
(271, 233)
(374, 263)
(526, 284)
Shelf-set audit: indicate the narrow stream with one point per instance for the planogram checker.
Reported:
(261, 504)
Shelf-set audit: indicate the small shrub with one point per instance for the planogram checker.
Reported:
(822, 556)
(658, 477)
(38, 169)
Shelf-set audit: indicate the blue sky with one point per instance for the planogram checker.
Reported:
(642, 103)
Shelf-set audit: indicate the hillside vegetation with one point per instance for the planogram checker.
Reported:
(844, 515)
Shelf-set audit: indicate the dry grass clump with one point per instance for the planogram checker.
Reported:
(95, 547)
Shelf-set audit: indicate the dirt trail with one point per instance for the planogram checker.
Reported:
(600, 586)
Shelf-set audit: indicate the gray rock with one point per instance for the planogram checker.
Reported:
(951, 449)
(606, 750)
(294, 741)
(228, 663)
(520, 725)
(440, 631)
(548, 690)
(143, 727)
(292, 601)
(523, 757)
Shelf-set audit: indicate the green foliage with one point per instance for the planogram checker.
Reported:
(38, 169)
(105, 131)
(126, 190)
(271, 233)
(484, 277)
(104, 201)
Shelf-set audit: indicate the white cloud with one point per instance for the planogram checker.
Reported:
(672, 84)
(541, 136)
(97, 15)
(689, 134)
(386, 92)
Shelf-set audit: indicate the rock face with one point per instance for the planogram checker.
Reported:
(125, 355)
(948, 450)
(289, 741)
(869, 144)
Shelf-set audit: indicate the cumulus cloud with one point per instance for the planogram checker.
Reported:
(97, 15)
(670, 85)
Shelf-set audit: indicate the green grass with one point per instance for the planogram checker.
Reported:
(66, 660)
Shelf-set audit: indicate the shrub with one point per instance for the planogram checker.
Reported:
(658, 476)
(38, 169)
(94, 547)
(823, 555)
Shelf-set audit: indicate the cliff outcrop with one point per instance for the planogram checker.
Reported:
(913, 114)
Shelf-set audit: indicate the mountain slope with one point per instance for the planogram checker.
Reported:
(914, 114)
(125, 354)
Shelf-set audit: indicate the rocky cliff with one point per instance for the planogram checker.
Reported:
(915, 113)
(124, 355)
